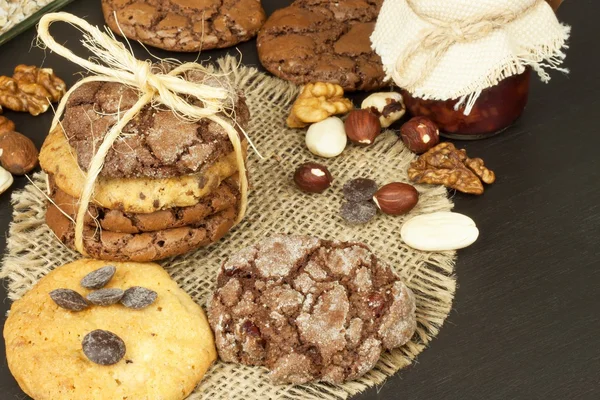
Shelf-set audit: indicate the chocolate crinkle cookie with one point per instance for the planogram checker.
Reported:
(309, 309)
(155, 144)
(323, 41)
(185, 25)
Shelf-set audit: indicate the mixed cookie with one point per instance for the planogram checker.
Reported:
(167, 186)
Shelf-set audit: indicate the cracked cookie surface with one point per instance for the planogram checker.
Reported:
(309, 309)
(185, 25)
(323, 41)
(155, 144)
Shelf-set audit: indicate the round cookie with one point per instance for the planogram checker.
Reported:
(309, 309)
(185, 25)
(146, 246)
(323, 41)
(135, 195)
(169, 345)
(224, 197)
(156, 143)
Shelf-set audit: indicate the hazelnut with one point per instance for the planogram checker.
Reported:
(396, 198)
(17, 153)
(327, 138)
(6, 179)
(420, 134)
(312, 177)
(388, 106)
(362, 127)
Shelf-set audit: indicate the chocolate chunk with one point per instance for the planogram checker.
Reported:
(105, 297)
(69, 299)
(98, 278)
(103, 347)
(138, 297)
(360, 189)
(358, 213)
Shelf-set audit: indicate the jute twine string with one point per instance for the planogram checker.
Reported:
(275, 206)
(167, 89)
(436, 40)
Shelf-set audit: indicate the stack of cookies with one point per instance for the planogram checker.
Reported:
(167, 186)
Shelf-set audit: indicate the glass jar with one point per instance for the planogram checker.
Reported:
(496, 109)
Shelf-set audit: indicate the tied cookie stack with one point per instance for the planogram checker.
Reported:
(144, 165)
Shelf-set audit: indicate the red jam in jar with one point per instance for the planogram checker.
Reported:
(495, 110)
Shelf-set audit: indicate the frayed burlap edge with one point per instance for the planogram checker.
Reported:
(275, 206)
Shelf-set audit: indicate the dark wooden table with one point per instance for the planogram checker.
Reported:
(525, 323)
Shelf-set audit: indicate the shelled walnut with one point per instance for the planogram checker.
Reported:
(448, 166)
(31, 89)
(316, 102)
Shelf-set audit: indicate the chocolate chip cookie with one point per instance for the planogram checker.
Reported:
(155, 144)
(185, 25)
(168, 345)
(323, 41)
(222, 198)
(145, 246)
(134, 195)
(309, 309)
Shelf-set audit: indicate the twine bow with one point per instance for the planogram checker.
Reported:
(435, 41)
(120, 65)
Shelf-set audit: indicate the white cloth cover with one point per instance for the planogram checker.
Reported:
(454, 49)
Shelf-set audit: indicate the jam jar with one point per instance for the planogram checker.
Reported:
(496, 109)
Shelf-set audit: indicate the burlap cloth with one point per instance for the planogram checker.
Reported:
(275, 206)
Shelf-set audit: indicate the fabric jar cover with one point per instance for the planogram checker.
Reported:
(454, 49)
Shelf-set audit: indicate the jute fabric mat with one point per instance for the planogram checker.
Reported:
(275, 206)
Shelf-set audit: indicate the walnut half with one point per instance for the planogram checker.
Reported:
(31, 89)
(316, 102)
(448, 166)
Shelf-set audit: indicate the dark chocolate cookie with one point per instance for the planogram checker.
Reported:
(323, 40)
(309, 309)
(160, 145)
(141, 247)
(185, 25)
(222, 198)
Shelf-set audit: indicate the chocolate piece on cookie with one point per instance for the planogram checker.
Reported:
(158, 352)
(185, 25)
(323, 41)
(309, 309)
(155, 144)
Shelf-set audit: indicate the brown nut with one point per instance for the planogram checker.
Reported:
(396, 198)
(312, 177)
(18, 154)
(362, 127)
(420, 134)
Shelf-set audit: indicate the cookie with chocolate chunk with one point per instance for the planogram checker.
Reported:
(185, 25)
(323, 41)
(309, 309)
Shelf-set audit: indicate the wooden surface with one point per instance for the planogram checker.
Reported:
(525, 323)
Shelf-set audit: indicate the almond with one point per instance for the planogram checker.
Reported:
(18, 154)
